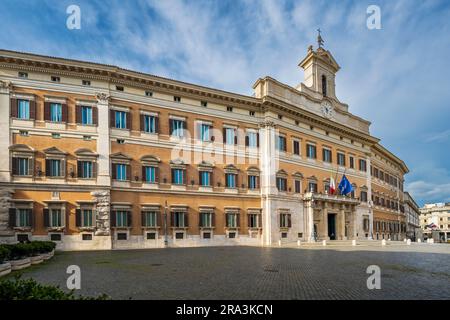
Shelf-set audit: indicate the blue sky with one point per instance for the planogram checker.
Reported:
(396, 77)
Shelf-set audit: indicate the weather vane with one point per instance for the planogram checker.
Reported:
(319, 39)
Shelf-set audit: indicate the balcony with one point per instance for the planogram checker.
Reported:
(330, 198)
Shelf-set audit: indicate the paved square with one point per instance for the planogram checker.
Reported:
(407, 272)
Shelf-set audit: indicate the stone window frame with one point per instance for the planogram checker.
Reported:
(205, 166)
(151, 207)
(122, 206)
(312, 179)
(56, 205)
(87, 205)
(298, 176)
(197, 125)
(86, 103)
(231, 169)
(233, 211)
(206, 209)
(156, 115)
(23, 151)
(128, 119)
(120, 158)
(281, 174)
(31, 98)
(150, 161)
(179, 208)
(343, 153)
(181, 165)
(258, 213)
(17, 204)
(53, 153)
(48, 100)
(284, 212)
(300, 142)
(84, 154)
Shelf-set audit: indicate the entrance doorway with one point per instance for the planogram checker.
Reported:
(332, 226)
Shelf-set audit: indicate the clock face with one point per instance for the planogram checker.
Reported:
(327, 109)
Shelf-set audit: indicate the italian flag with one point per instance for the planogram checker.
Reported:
(332, 185)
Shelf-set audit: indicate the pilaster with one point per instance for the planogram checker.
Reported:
(103, 143)
(5, 135)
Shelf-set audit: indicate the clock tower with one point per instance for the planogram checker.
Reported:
(320, 70)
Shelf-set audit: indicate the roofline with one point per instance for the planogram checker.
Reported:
(378, 147)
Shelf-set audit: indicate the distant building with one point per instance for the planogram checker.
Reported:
(436, 217)
(412, 212)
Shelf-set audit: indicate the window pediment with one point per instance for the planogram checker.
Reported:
(120, 156)
(231, 169)
(254, 171)
(150, 160)
(282, 174)
(298, 175)
(87, 153)
(177, 164)
(22, 149)
(312, 178)
(55, 152)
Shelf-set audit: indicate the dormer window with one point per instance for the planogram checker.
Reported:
(324, 85)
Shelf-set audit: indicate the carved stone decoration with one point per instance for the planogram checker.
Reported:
(267, 123)
(103, 98)
(5, 203)
(102, 200)
(5, 86)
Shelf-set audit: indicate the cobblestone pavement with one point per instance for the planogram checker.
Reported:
(407, 272)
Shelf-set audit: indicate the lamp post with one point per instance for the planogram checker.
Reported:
(166, 239)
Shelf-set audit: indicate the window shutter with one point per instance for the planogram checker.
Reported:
(200, 178)
(142, 118)
(184, 177)
(186, 219)
(95, 115)
(78, 217)
(249, 221)
(47, 167)
(13, 108)
(46, 111)
(227, 224)
(143, 219)
(238, 220)
(31, 166)
(247, 141)
(78, 114)
(156, 174)
(224, 134)
(235, 137)
(170, 127)
(289, 221)
(156, 124)
(114, 171)
(129, 218)
(112, 119)
(79, 168)
(94, 169)
(32, 216)
(12, 217)
(63, 167)
(144, 178)
(199, 131)
(158, 219)
(128, 172)
(129, 120)
(172, 219)
(280, 218)
(14, 165)
(213, 219)
(64, 112)
(33, 109)
(113, 218)
(200, 220)
(257, 182)
(257, 139)
(46, 218)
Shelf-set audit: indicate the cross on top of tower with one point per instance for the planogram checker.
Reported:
(320, 41)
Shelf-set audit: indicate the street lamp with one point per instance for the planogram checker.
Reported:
(166, 239)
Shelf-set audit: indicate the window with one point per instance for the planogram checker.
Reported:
(178, 176)
(121, 119)
(206, 219)
(363, 196)
(85, 169)
(86, 115)
(86, 236)
(324, 85)
(204, 104)
(120, 88)
(23, 75)
(151, 235)
(297, 186)
(252, 139)
(56, 135)
(205, 178)
(311, 151)
(55, 79)
(87, 216)
(23, 109)
(122, 236)
(251, 113)
(230, 179)
(55, 112)
(312, 187)
(24, 133)
(204, 130)
(253, 220)
(121, 171)
(177, 127)
(122, 219)
(352, 162)
(280, 117)
(327, 157)
(21, 166)
(148, 93)
(230, 109)
(177, 99)
(206, 235)
(87, 138)
(179, 219)
(120, 141)
(149, 123)
(253, 182)
(281, 184)
(232, 220)
(285, 220)
(230, 136)
(54, 169)
(23, 218)
(281, 143)
(362, 165)
(296, 147)
(341, 159)
(150, 174)
(55, 218)
(86, 83)
(55, 237)
(150, 219)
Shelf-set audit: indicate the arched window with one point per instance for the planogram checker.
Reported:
(324, 85)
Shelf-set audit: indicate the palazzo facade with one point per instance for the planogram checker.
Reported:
(94, 156)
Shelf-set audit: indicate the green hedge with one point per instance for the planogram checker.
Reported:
(29, 289)
(24, 250)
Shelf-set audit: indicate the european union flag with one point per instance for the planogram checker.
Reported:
(345, 187)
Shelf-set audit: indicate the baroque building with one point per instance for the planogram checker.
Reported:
(435, 221)
(94, 156)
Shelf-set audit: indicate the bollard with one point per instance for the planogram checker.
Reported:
(404, 240)
(419, 240)
(279, 243)
(324, 242)
(408, 242)
(383, 242)
(353, 242)
(431, 240)
(298, 243)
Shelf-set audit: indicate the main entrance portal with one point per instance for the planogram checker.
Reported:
(332, 226)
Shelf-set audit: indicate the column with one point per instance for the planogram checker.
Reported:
(103, 142)
(5, 137)
(341, 224)
(310, 221)
(325, 221)
(354, 222)
(268, 165)
(369, 195)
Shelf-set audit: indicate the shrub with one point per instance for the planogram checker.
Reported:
(4, 253)
(19, 251)
(29, 289)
